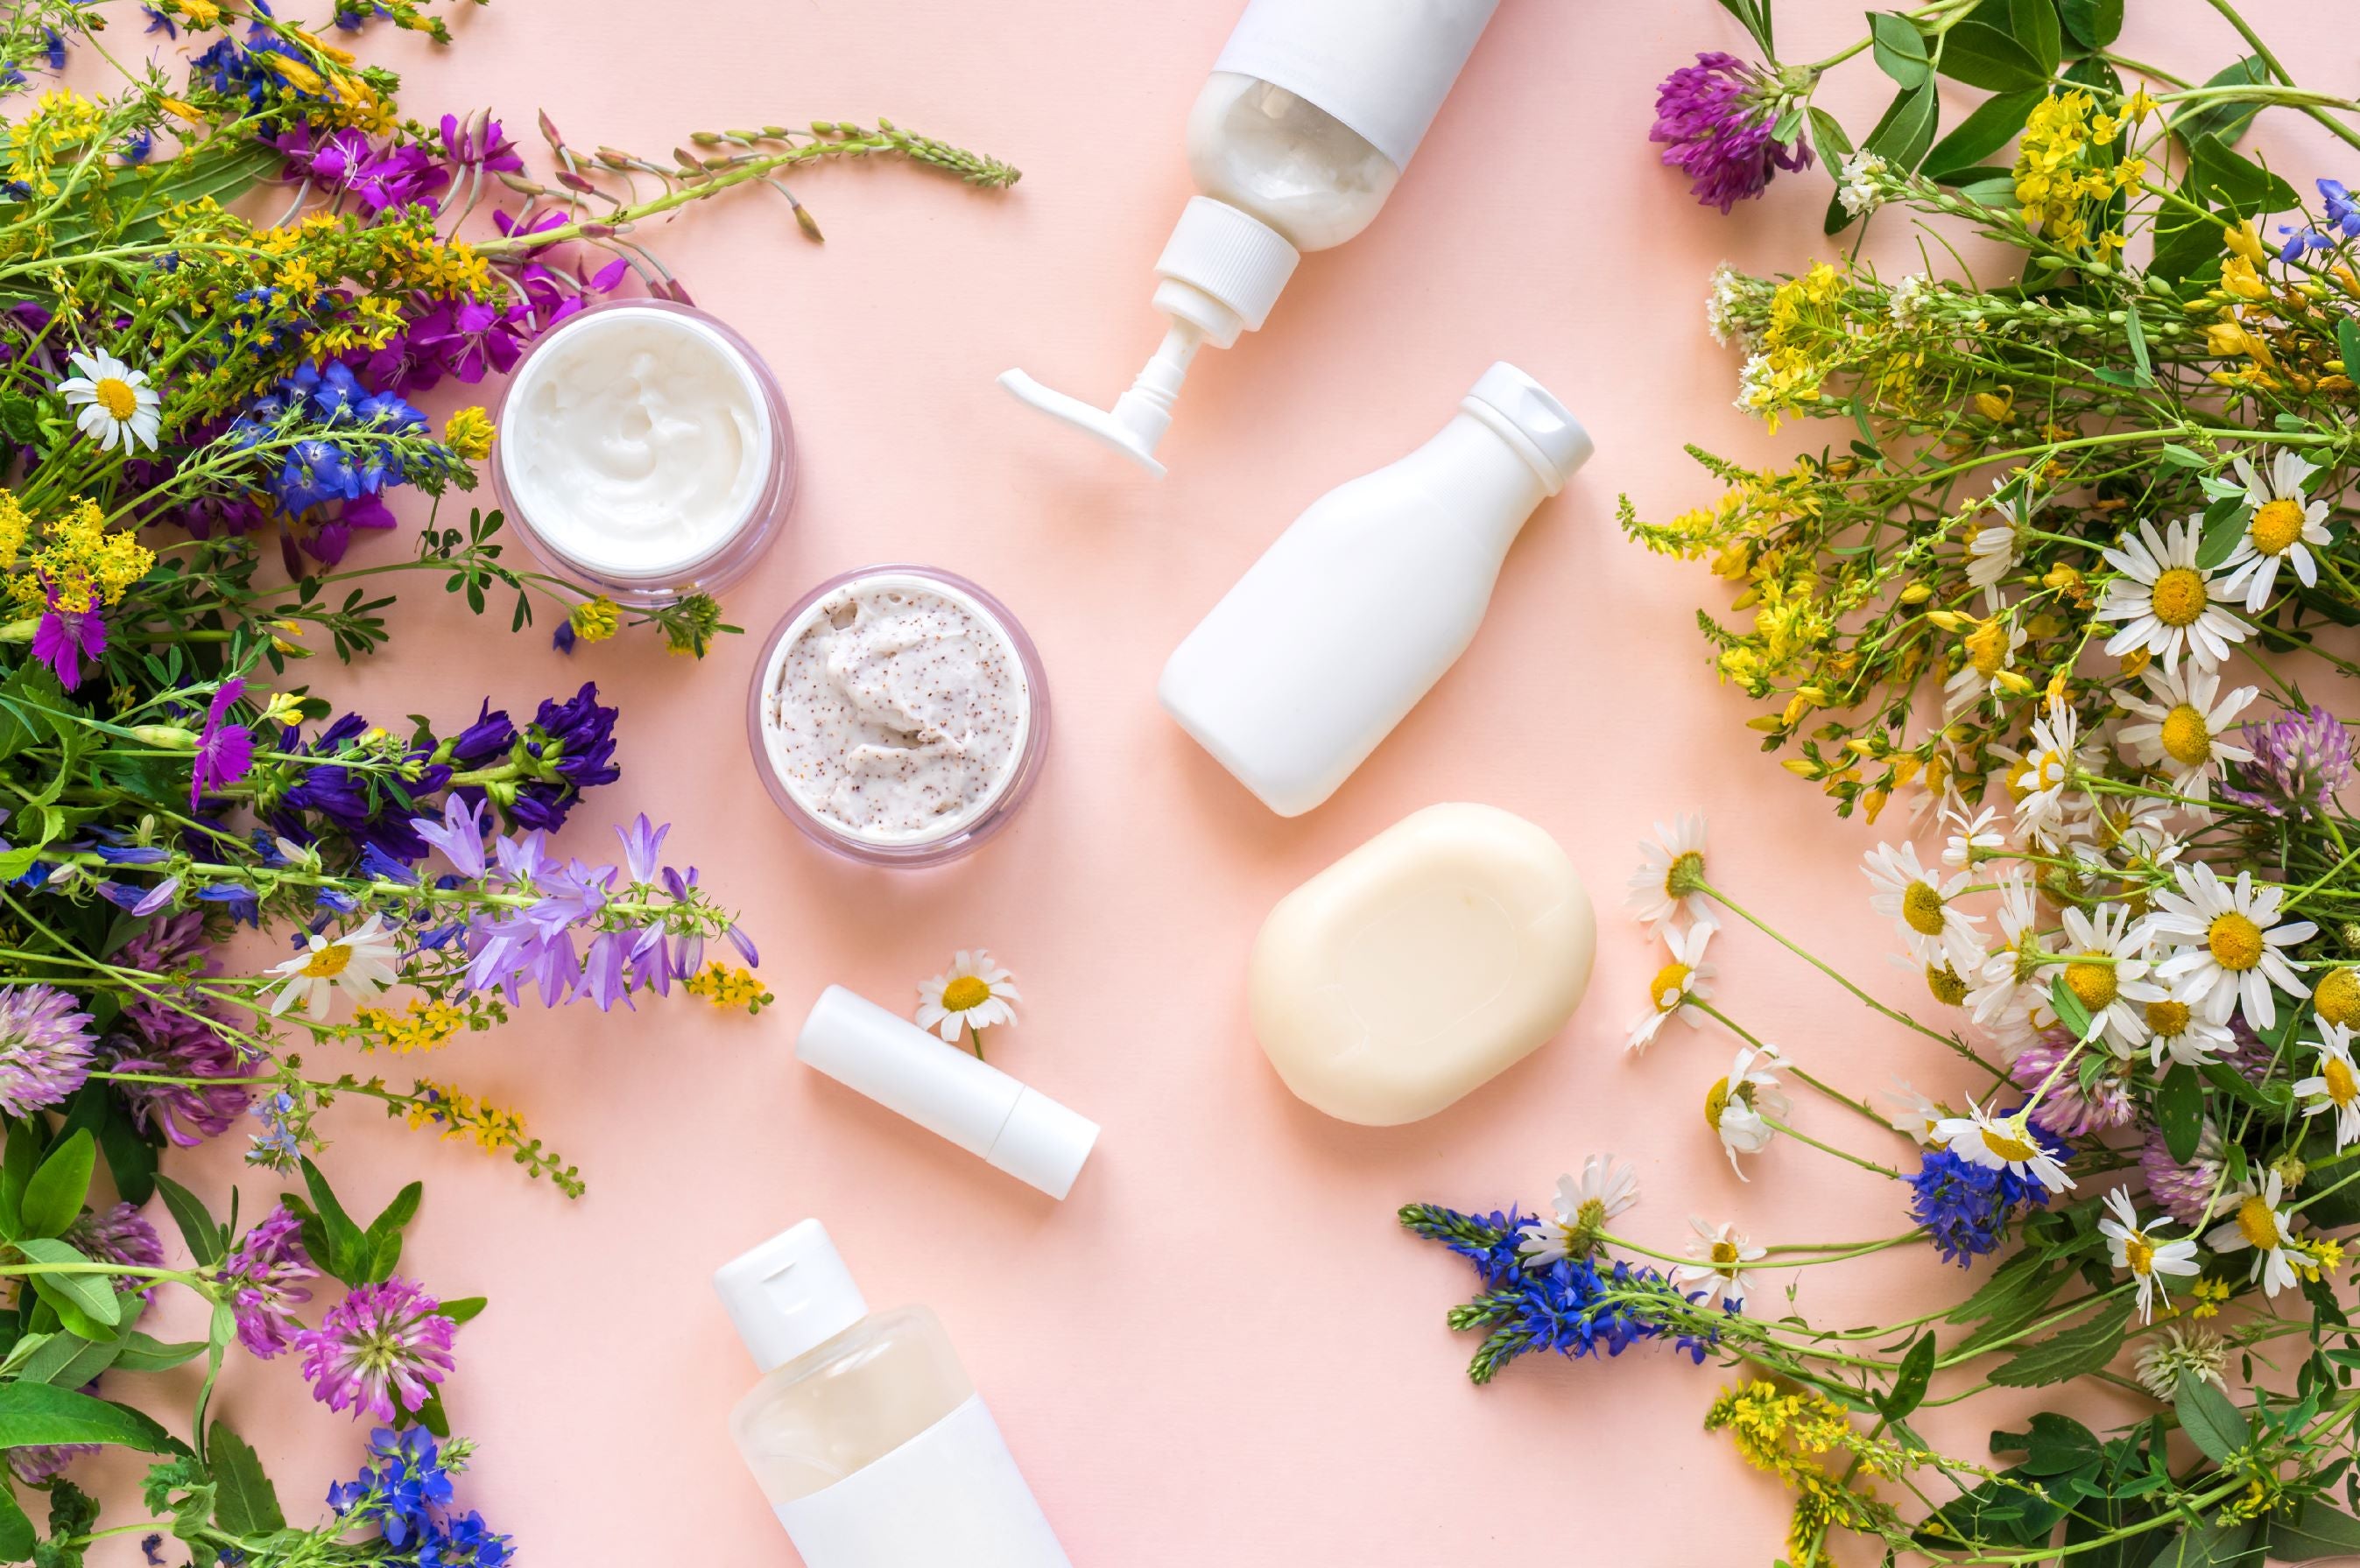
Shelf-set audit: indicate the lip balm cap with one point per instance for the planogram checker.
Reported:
(1043, 1143)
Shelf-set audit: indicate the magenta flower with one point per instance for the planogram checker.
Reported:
(2184, 1189)
(67, 637)
(2302, 760)
(264, 1274)
(381, 1344)
(179, 1041)
(45, 1044)
(479, 141)
(117, 1233)
(225, 751)
(2065, 1109)
(46, 1461)
(1716, 117)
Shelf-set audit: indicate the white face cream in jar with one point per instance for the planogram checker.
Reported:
(644, 447)
(899, 715)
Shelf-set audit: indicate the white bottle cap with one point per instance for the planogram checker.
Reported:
(789, 1294)
(1221, 270)
(945, 1089)
(1528, 416)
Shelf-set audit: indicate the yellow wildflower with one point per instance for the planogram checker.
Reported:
(728, 989)
(2238, 277)
(77, 559)
(2207, 1294)
(2244, 243)
(297, 74)
(426, 1026)
(595, 619)
(468, 432)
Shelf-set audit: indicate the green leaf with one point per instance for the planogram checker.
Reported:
(244, 1499)
(196, 1221)
(2093, 24)
(1899, 47)
(68, 1361)
(88, 1294)
(15, 1528)
(2075, 1352)
(2321, 1531)
(53, 1198)
(1991, 127)
(16, 1166)
(1828, 137)
(1980, 55)
(383, 1242)
(2211, 1422)
(2018, 1274)
(2070, 1013)
(2180, 1106)
(36, 1413)
(2230, 188)
(143, 1353)
(2033, 23)
(465, 1307)
(2134, 333)
(2224, 525)
(347, 1258)
(2210, 1544)
(2347, 347)
(130, 1157)
(2054, 1446)
(1910, 1384)
(1901, 137)
(2226, 121)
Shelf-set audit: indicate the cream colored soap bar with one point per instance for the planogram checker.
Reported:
(1432, 958)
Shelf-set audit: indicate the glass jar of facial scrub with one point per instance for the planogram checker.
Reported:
(644, 447)
(899, 715)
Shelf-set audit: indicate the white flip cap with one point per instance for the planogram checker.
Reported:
(945, 1089)
(789, 1295)
(1221, 270)
(1533, 421)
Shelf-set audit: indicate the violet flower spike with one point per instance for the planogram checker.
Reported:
(1716, 117)
(459, 835)
(643, 847)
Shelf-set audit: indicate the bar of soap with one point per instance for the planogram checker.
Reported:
(1421, 965)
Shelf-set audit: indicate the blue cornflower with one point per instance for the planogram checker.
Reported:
(1965, 1208)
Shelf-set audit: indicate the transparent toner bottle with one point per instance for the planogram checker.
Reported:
(865, 1433)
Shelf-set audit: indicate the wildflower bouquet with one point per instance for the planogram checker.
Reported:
(2077, 572)
(181, 387)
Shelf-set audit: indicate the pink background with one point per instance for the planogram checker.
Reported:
(1221, 1348)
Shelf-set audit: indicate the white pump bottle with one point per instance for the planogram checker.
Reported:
(1313, 111)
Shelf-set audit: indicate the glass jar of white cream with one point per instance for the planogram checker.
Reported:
(644, 447)
(899, 715)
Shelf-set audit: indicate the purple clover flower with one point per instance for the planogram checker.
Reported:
(2066, 1110)
(117, 1234)
(170, 1041)
(46, 1461)
(2302, 760)
(2183, 1189)
(45, 1048)
(1716, 117)
(224, 750)
(383, 1344)
(264, 1274)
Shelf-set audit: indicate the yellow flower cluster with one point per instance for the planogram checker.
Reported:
(424, 1026)
(1805, 322)
(462, 1115)
(727, 988)
(468, 432)
(596, 619)
(2066, 173)
(2208, 1296)
(1784, 1433)
(61, 127)
(77, 563)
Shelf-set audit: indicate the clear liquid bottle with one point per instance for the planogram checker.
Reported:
(866, 1434)
(1312, 112)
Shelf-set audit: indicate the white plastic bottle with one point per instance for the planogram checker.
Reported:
(1313, 111)
(1332, 637)
(866, 1434)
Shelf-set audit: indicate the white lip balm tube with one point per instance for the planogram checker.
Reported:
(945, 1089)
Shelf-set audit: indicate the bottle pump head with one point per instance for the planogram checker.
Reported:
(1221, 271)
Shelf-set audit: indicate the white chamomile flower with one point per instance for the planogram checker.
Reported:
(1670, 869)
(2106, 972)
(1857, 184)
(1722, 1254)
(1686, 978)
(2002, 1143)
(360, 962)
(2336, 1085)
(2198, 1351)
(1933, 929)
(1741, 1108)
(1583, 1207)
(2147, 1258)
(2138, 827)
(2178, 1031)
(2284, 527)
(2014, 977)
(2229, 941)
(1971, 838)
(2184, 726)
(2262, 1227)
(118, 407)
(2041, 780)
(974, 993)
(1991, 660)
(1913, 1114)
(2164, 600)
(1998, 545)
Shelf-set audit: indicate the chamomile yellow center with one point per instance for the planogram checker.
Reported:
(2278, 525)
(2007, 1145)
(2019, 780)
(2047, 769)
(117, 396)
(328, 962)
(1921, 906)
(2256, 1223)
(2092, 983)
(1685, 875)
(1724, 1256)
(1670, 983)
(2338, 996)
(2179, 596)
(2167, 1018)
(2342, 1087)
(1720, 1096)
(2235, 941)
(2138, 1254)
(963, 994)
(1590, 1216)
(1944, 982)
(2187, 738)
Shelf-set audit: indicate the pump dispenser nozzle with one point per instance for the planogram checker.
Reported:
(1221, 272)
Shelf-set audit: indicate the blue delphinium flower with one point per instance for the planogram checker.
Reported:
(1965, 1208)
(408, 1495)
